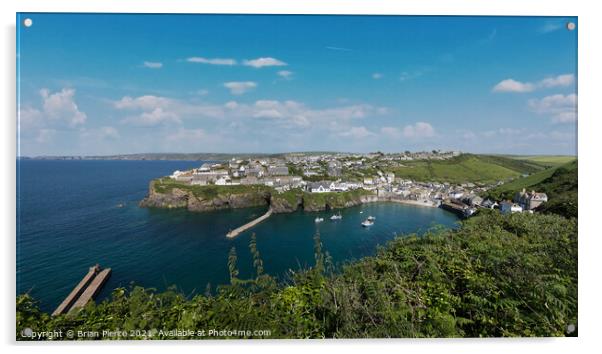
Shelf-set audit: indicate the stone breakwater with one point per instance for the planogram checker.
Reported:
(279, 203)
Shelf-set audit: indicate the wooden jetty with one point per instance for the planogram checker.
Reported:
(238, 230)
(85, 290)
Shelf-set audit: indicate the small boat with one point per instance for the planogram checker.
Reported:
(318, 219)
(367, 223)
(371, 218)
(361, 212)
(336, 217)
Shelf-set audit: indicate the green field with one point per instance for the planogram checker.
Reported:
(467, 168)
(548, 160)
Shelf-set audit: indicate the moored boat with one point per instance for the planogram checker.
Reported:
(367, 223)
(336, 217)
(318, 219)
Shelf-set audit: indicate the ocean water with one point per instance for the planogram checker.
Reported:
(74, 214)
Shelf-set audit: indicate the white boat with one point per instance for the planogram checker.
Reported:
(367, 223)
(336, 217)
(371, 218)
(361, 212)
(319, 219)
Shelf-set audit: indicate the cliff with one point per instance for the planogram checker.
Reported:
(327, 201)
(166, 193)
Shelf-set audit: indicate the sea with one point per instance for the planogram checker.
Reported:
(73, 214)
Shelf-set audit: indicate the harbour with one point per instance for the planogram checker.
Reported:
(160, 248)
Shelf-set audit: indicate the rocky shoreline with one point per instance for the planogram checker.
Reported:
(182, 198)
(279, 202)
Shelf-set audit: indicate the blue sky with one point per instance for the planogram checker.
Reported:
(114, 84)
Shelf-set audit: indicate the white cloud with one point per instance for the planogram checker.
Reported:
(152, 65)
(105, 133)
(550, 26)
(558, 81)
(146, 102)
(45, 135)
(109, 133)
(419, 130)
(261, 62)
(391, 132)
(240, 87)
(153, 110)
(357, 133)
(154, 117)
(285, 74)
(61, 107)
(212, 61)
(377, 76)
(410, 131)
(511, 85)
(340, 49)
(30, 118)
(410, 75)
(561, 108)
(58, 112)
(565, 117)
(187, 135)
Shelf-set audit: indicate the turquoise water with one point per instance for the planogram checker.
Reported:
(73, 214)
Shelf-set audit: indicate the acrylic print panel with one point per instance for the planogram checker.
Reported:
(272, 176)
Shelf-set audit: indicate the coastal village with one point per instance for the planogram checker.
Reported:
(343, 172)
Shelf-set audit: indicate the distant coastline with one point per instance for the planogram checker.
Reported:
(208, 156)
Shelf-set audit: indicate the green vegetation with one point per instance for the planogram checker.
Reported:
(559, 183)
(548, 160)
(166, 185)
(562, 187)
(291, 196)
(334, 200)
(466, 168)
(497, 275)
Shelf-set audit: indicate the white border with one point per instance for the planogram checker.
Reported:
(589, 161)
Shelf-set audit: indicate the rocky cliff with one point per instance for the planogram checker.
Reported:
(336, 201)
(166, 194)
(184, 197)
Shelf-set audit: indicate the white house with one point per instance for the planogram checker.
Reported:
(175, 174)
(390, 177)
(509, 207)
(222, 181)
(318, 187)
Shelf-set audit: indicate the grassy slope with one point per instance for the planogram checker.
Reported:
(507, 190)
(559, 183)
(549, 160)
(562, 187)
(467, 168)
